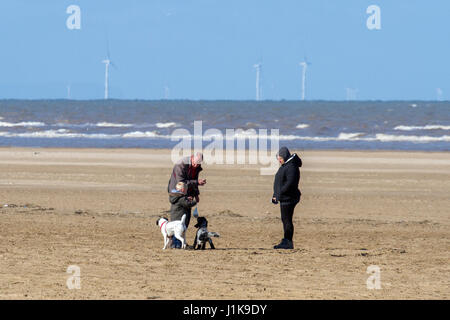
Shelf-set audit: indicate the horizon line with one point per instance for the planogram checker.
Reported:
(222, 100)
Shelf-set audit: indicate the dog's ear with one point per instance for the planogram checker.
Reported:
(157, 221)
(196, 226)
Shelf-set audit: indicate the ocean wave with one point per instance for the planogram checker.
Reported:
(242, 134)
(165, 124)
(113, 125)
(140, 134)
(401, 138)
(22, 124)
(64, 133)
(427, 127)
(90, 125)
(104, 124)
(302, 126)
(61, 133)
(349, 136)
(380, 137)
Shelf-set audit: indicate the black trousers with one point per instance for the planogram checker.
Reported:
(287, 212)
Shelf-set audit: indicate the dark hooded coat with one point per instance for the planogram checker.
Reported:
(179, 205)
(287, 178)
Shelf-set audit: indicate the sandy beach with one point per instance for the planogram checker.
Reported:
(96, 209)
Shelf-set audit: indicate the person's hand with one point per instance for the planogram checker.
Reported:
(201, 182)
(274, 200)
(190, 198)
(197, 199)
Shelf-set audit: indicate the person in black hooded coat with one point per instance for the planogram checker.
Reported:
(286, 192)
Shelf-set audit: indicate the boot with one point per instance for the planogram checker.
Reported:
(285, 244)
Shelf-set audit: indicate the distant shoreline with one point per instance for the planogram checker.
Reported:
(221, 100)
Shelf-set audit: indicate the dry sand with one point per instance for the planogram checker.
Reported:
(97, 209)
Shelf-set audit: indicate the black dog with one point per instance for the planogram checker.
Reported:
(203, 235)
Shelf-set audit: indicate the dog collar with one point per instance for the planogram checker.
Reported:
(160, 228)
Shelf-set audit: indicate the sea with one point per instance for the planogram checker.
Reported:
(302, 125)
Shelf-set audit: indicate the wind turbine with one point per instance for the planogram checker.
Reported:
(439, 94)
(257, 66)
(351, 93)
(304, 64)
(107, 63)
(166, 92)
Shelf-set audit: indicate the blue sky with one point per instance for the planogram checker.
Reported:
(206, 49)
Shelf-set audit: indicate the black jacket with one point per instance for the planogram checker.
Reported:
(285, 185)
(180, 205)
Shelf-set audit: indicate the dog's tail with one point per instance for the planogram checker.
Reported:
(213, 234)
(183, 220)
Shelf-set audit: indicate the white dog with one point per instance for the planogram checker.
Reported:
(171, 229)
